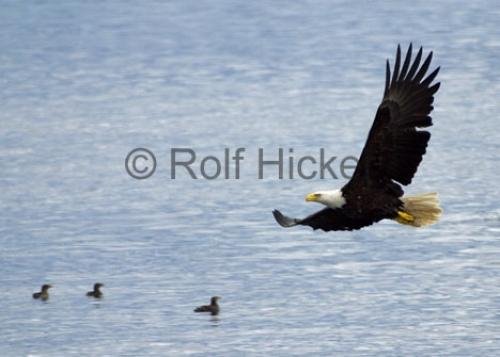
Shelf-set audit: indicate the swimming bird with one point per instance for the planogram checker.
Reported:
(44, 293)
(213, 308)
(97, 293)
(390, 158)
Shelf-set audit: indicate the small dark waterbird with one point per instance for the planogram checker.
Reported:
(44, 293)
(213, 308)
(392, 153)
(96, 293)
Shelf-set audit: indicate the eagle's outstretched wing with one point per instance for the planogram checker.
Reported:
(395, 147)
(327, 219)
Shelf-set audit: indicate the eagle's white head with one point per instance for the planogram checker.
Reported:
(332, 198)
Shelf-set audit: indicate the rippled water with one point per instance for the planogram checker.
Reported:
(83, 83)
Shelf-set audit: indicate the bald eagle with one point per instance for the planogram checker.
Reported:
(392, 153)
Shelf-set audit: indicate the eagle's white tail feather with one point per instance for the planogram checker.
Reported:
(424, 209)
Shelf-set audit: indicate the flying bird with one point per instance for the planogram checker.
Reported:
(97, 293)
(44, 293)
(392, 153)
(213, 308)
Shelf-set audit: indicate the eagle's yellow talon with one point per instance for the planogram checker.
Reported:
(404, 217)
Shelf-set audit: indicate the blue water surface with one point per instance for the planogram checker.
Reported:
(82, 83)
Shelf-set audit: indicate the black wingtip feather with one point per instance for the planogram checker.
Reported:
(387, 77)
(406, 64)
(415, 65)
(396, 65)
(434, 88)
(430, 77)
(424, 68)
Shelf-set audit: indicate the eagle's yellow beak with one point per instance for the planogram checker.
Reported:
(312, 197)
